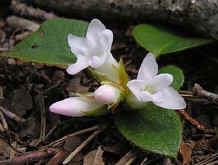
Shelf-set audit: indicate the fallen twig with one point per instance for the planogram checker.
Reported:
(50, 131)
(57, 142)
(11, 115)
(21, 23)
(188, 95)
(35, 155)
(127, 159)
(4, 122)
(209, 160)
(199, 91)
(80, 147)
(144, 161)
(193, 121)
(43, 120)
(27, 11)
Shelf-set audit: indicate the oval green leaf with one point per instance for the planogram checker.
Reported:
(154, 129)
(160, 40)
(49, 44)
(177, 73)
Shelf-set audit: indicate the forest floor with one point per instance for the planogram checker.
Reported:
(30, 134)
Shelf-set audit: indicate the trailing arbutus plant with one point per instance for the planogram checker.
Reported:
(148, 118)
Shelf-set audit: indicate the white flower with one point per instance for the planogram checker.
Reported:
(155, 88)
(94, 50)
(107, 94)
(77, 106)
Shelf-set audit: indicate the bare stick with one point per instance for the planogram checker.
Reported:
(55, 143)
(193, 121)
(21, 23)
(27, 11)
(50, 131)
(200, 15)
(35, 155)
(11, 115)
(208, 160)
(80, 147)
(188, 95)
(127, 159)
(4, 122)
(43, 119)
(199, 91)
(144, 160)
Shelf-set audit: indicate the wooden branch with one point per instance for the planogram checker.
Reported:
(29, 157)
(30, 12)
(21, 23)
(199, 91)
(199, 15)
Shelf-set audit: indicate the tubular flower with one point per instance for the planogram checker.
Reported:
(155, 88)
(94, 50)
(77, 106)
(107, 94)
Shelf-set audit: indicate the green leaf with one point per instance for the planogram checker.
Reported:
(49, 44)
(154, 129)
(160, 40)
(177, 73)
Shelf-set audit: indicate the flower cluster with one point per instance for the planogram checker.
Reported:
(94, 52)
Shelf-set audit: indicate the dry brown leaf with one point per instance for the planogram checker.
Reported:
(186, 152)
(94, 157)
(5, 150)
(74, 85)
(21, 101)
(71, 144)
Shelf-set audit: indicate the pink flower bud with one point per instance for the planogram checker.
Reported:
(107, 94)
(76, 107)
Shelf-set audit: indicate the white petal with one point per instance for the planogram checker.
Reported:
(109, 68)
(170, 99)
(136, 84)
(107, 94)
(78, 45)
(148, 68)
(96, 61)
(160, 81)
(145, 96)
(74, 106)
(95, 27)
(137, 88)
(110, 60)
(81, 63)
(106, 39)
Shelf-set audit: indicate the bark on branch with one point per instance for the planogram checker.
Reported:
(202, 15)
